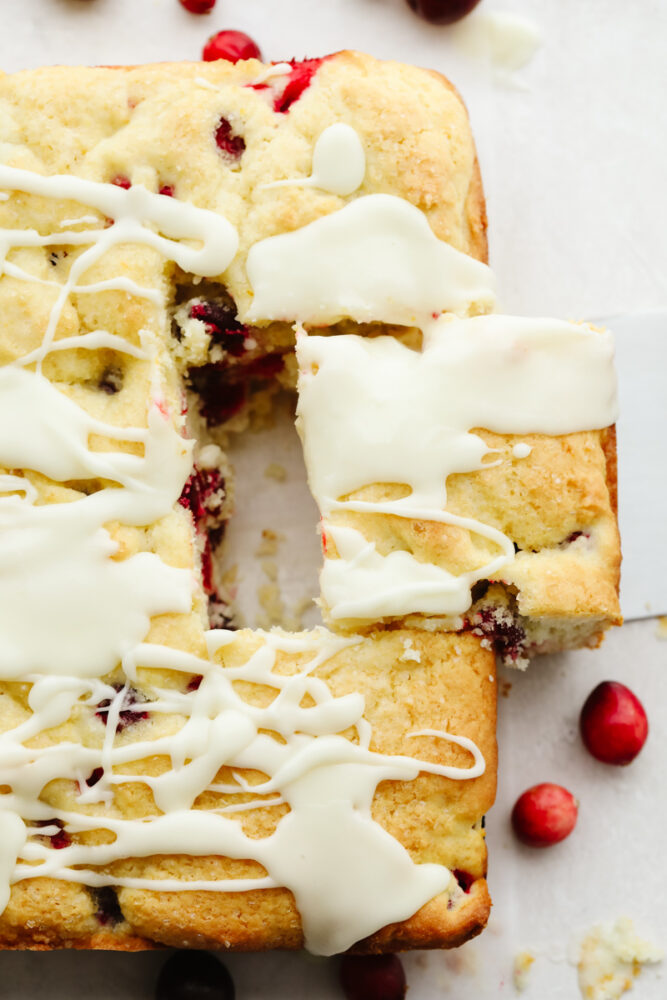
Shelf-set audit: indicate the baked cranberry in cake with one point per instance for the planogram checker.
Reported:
(167, 190)
(94, 776)
(231, 145)
(502, 628)
(465, 879)
(223, 390)
(108, 910)
(299, 79)
(372, 977)
(57, 840)
(231, 46)
(111, 381)
(121, 181)
(613, 723)
(194, 975)
(544, 815)
(128, 714)
(221, 325)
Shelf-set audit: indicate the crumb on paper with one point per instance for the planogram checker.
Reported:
(409, 652)
(270, 569)
(661, 627)
(269, 544)
(276, 471)
(522, 964)
(609, 959)
(271, 602)
(505, 688)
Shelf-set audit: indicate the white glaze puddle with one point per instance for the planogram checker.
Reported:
(339, 163)
(72, 613)
(376, 259)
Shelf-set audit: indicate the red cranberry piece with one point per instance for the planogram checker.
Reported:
(233, 46)
(298, 80)
(94, 775)
(122, 182)
(231, 145)
(464, 879)
(61, 838)
(501, 627)
(221, 325)
(108, 909)
(544, 814)
(198, 6)
(194, 975)
(167, 190)
(128, 715)
(613, 723)
(372, 977)
(442, 11)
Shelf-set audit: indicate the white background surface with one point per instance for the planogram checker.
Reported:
(574, 168)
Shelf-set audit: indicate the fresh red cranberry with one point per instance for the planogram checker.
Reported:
(544, 814)
(128, 714)
(194, 975)
(613, 723)
(233, 46)
(122, 182)
(230, 145)
(372, 977)
(198, 6)
(167, 190)
(299, 79)
(442, 11)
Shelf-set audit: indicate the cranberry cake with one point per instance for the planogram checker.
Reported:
(166, 780)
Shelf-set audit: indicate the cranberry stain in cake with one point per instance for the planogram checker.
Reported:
(299, 79)
(204, 496)
(223, 389)
(221, 325)
(108, 912)
(501, 627)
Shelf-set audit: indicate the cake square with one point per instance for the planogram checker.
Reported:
(444, 503)
(132, 200)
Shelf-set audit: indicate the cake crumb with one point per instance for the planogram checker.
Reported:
(609, 957)
(276, 471)
(409, 652)
(505, 688)
(661, 627)
(522, 964)
(269, 544)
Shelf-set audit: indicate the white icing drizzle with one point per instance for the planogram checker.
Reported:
(339, 163)
(70, 614)
(371, 410)
(376, 259)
